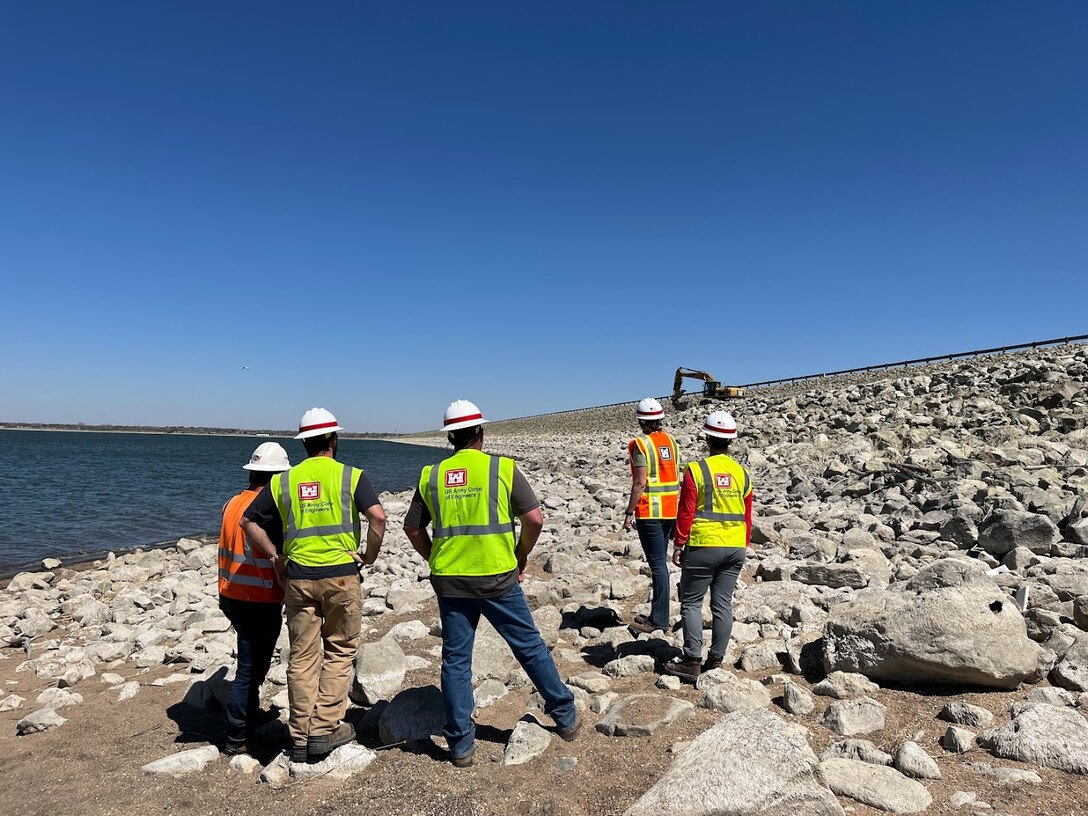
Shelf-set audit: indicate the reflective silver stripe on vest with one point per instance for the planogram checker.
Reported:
(246, 580)
(707, 510)
(672, 488)
(493, 526)
(348, 525)
(245, 558)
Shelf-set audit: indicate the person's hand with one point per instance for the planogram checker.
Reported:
(678, 556)
(279, 566)
(628, 522)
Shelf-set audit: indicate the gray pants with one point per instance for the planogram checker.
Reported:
(716, 569)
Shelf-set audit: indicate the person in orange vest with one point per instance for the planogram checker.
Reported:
(651, 508)
(252, 599)
(713, 531)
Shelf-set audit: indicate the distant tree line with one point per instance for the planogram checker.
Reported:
(168, 429)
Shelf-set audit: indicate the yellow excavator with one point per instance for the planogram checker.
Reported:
(712, 389)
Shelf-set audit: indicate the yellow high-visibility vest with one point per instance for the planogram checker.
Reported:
(468, 497)
(316, 500)
(723, 485)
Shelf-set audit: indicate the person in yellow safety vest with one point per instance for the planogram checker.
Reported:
(318, 504)
(252, 600)
(713, 531)
(477, 559)
(655, 491)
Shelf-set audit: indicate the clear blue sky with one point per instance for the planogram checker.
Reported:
(379, 208)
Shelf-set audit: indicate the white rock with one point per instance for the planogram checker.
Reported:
(243, 763)
(58, 698)
(183, 762)
(41, 720)
(343, 763)
(527, 742)
(875, 785)
(912, 760)
(13, 702)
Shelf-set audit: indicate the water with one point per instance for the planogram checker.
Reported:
(72, 495)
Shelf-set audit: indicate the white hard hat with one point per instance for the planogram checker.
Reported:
(317, 422)
(462, 414)
(649, 409)
(720, 424)
(269, 456)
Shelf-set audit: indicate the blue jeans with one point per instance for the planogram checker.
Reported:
(258, 627)
(654, 535)
(510, 616)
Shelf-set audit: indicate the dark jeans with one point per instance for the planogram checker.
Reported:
(258, 627)
(510, 616)
(654, 535)
(716, 569)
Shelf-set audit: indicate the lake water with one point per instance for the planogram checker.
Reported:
(72, 495)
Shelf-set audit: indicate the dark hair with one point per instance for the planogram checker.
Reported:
(650, 425)
(717, 444)
(318, 444)
(463, 437)
(259, 478)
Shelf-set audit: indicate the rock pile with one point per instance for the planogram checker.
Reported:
(922, 528)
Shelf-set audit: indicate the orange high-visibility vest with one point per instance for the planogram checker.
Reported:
(661, 497)
(244, 575)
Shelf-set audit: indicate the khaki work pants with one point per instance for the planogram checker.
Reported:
(323, 621)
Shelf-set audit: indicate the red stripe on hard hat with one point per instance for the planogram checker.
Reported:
(463, 419)
(709, 427)
(305, 428)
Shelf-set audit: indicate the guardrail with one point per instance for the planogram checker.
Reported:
(1080, 338)
(920, 361)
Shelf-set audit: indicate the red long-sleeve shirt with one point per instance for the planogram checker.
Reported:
(689, 497)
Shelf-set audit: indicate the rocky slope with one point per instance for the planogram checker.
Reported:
(920, 539)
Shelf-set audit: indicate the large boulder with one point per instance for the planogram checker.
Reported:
(414, 714)
(750, 764)
(1008, 529)
(970, 635)
(378, 672)
(1051, 736)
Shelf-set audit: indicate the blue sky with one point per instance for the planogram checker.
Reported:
(379, 208)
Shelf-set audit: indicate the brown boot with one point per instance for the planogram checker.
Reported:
(683, 668)
(324, 744)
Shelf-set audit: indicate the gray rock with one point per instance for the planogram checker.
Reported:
(58, 698)
(1072, 672)
(1050, 736)
(849, 717)
(1051, 696)
(13, 702)
(548, 620)
(859, 749)
(491, 657)
(244, 764)
(962, 798)
(966, 714)
(527, 742)
(414, 714)
(972, 634)
(667, 682)
(34, 623)
(488, 692)
(845, 685)
(343, 763)
(1080, 610)
(958, 740)
(750, 763)
(50, 563)
(41, 720)
(183, 762)
(912, 760)
(378, 671)
(128, 690)
(408, 630)
(566, 763)
(874, 785)
(1008, 529)
(797, 699)
(630, 666)
(593, 682)
(642, 715)
(1004, 776)
(736, 694)
(276, 773)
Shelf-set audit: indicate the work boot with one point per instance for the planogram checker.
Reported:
(464, 760)
(299, 752)
(711, 664)
(641, 625)
(569, 734)
(235, 748)
(324, 744)
(683, 668)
